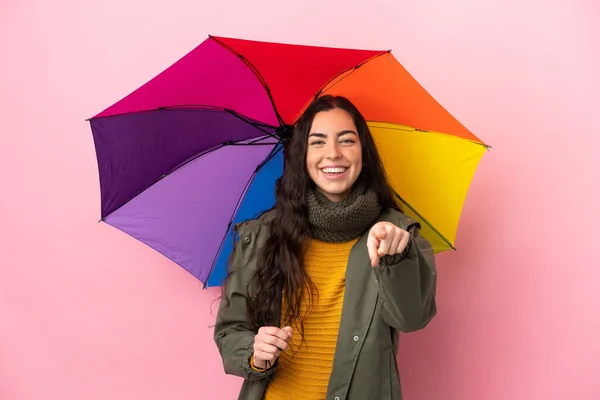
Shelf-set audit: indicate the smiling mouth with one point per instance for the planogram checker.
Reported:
(334, 170)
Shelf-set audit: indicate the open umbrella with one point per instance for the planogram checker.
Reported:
(198, 147)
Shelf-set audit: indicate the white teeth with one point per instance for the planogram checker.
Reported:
(336, 170)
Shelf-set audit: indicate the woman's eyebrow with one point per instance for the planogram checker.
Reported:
(322, 135)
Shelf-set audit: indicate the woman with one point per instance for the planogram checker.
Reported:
(320, 285)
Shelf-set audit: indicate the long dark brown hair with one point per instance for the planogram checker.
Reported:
(280, 269)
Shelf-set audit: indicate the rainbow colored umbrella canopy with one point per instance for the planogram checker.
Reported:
(197, 149)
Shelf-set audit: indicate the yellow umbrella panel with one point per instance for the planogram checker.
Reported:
(429, 156)
(431, 172)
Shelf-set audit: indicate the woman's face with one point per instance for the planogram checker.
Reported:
(334, 153)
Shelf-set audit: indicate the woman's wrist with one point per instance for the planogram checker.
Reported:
(258, 365)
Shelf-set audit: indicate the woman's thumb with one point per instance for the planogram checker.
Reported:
(288, 331)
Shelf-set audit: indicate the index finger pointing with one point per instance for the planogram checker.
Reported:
(372, 245)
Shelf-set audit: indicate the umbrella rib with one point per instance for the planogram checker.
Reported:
(256, 73)
(433, 228)
(206, 152)
(183, 107)
(178, 166)
(257, 140)
(191, 107)
(273, 153)
(406, 128)
(189, 160)
(347, 71)
(259, 127)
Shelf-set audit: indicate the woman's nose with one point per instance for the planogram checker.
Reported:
(333, 151)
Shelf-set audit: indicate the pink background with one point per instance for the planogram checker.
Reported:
(88, 313)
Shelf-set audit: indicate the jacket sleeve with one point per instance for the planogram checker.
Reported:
(234, 338)
(407, 284)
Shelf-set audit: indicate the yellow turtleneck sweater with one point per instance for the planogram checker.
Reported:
(304, 369)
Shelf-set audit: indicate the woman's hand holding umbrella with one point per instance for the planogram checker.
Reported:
(269, 342)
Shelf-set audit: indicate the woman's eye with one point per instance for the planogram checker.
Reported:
(317, 142)
(347, 141)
